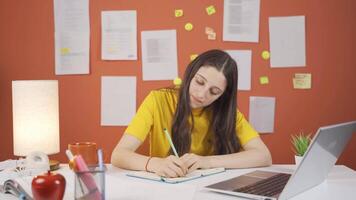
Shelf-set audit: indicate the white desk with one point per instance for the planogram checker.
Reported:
(341, 184)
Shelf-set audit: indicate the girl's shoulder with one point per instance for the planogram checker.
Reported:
(239, 115)
(164, 94)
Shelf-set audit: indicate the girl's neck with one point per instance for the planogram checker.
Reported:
(197, 111)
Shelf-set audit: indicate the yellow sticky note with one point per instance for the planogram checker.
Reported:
(177, 81)
(65, 51)
(265, 55)
(210, 10)
(188, 26)
(264, 80)
(178, 12)
(193, 56)
(212, 36)
(302, 81)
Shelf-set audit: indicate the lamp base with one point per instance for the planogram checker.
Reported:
(53, 165)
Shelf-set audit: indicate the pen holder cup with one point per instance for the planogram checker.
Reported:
(90, 185)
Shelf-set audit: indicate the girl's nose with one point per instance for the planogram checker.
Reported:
(201, 94)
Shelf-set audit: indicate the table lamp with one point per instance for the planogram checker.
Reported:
(35, 117)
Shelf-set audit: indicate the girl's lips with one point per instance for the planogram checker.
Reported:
(196, 100)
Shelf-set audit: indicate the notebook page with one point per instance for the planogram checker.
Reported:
(193, 175)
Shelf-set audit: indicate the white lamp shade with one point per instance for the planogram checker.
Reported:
(35, 116)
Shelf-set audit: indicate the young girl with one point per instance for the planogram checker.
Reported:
(206, 128)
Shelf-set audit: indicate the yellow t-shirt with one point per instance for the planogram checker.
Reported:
(156, 113)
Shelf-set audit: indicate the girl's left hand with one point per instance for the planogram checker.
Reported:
(193, 161)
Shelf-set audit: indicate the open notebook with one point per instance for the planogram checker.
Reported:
(193, 175)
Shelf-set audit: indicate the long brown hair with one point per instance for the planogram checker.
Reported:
(223, 122)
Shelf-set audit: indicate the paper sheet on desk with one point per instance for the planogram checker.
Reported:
(139, 189)
(24, 185)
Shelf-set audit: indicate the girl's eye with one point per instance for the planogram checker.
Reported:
(200, 82)
(212, 92)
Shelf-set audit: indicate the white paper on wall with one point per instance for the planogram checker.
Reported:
(243, 60)
(71, 53)
(241, 20)
(72, 36)
(261, 115)
(119, 35)
(287, 41)
(159, 55)
(118, 100)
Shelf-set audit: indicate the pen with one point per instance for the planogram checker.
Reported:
(100, 159)
(102, 173)
(170, 142)
(69, 155)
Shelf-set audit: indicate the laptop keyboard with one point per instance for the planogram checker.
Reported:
(267, 187)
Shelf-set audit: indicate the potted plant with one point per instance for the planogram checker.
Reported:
(300, 144)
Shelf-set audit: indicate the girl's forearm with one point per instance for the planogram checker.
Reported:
(127, 159)
(244, 159)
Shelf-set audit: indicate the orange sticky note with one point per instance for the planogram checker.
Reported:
(208, 30)
(212, 36)
(210, 10)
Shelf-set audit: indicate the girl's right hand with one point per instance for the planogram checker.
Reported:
(170, 166)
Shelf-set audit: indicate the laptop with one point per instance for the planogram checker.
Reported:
(322, 154)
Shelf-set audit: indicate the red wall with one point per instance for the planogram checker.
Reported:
(27, 52)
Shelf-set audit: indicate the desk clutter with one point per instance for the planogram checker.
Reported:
(31, 178)
(340, 184)
(82, 180)
(89, 181)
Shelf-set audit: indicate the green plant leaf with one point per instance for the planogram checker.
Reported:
(300, 143)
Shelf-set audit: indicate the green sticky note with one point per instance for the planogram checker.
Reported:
(210, 10)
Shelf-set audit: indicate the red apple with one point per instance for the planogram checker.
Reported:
(48, 186)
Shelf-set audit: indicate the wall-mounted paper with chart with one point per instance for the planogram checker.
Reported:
(118, 100)
(243, 59)
(72, 36)
(287, 41)
(118, 35)
(241, 20)
(72, 53)
(261, 114)
(159, 55)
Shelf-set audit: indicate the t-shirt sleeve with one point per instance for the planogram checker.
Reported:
(141, 124)
(245, 132)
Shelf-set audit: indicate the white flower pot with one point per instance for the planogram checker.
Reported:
(297, 159)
